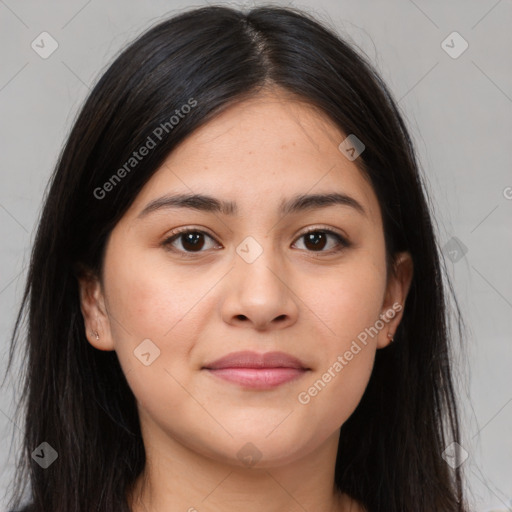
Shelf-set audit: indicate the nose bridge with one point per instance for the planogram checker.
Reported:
(259, 263)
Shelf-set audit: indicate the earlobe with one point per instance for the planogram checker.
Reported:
(398, 286)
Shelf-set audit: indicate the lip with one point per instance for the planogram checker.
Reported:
(248, 359)
(257, 371)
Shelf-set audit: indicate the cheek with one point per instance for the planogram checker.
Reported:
(349, 303)
(147, 298)
(147, 302)
(347, 300)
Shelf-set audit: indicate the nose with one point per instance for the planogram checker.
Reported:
(260, 294)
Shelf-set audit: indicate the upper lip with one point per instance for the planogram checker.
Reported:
(247, 359)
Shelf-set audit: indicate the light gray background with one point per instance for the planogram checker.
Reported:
(459, 112)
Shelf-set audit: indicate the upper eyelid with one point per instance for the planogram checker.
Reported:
(185, 229)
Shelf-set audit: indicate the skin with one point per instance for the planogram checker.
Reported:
(310, 303)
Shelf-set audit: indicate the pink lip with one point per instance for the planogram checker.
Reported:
(257, 371)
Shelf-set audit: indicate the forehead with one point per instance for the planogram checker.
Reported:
(259, 152)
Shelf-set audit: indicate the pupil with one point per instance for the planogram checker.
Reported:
(191, 238)
(310, 238)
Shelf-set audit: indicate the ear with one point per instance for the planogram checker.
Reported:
(96, 320)
(397, 288)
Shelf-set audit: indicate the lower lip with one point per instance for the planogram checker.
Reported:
(258, 378)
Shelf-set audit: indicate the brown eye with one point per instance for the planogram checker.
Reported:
(317, 239)
(191, 240)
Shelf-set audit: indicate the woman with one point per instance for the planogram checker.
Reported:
(235, 298)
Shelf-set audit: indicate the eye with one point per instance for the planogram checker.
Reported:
(316, 240)
(191, 240)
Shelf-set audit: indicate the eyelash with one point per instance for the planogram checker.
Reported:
(343, 243)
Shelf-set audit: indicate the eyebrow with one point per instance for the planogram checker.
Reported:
(205, 203)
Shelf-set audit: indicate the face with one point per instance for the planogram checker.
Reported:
(185, 285)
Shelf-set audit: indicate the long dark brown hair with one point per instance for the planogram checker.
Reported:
(76, 398)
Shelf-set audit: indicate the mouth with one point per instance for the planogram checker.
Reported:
(257, 371)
